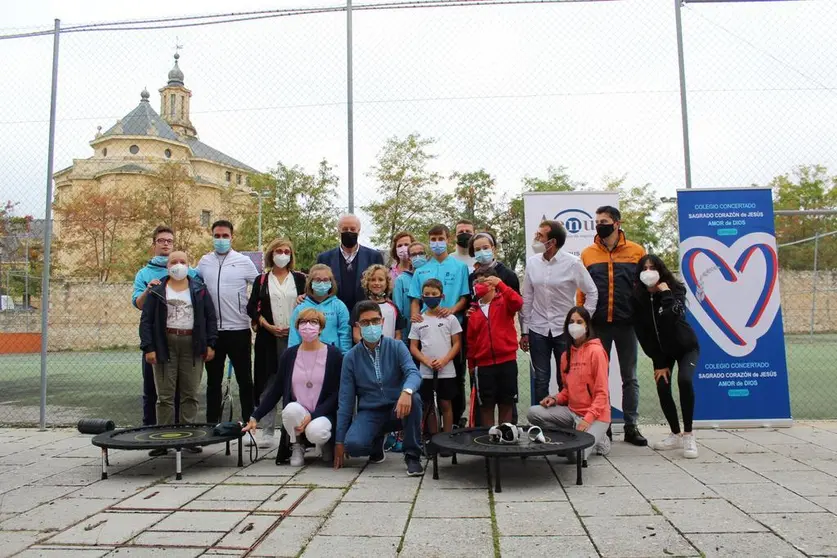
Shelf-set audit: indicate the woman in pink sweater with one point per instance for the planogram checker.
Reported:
(584, 401)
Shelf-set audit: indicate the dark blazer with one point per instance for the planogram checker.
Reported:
(282, 385)
(266, 362)
(152, 328)
(365, 257)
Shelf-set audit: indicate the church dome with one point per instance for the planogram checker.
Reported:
(176, 74)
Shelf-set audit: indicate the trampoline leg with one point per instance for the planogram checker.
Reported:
(436, 466)
(497, 487)
(177, 465)
(578, 459)
(453, 459)
(240, 453)
(104, 463)
(228, 447)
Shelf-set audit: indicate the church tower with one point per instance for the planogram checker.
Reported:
(174, 102)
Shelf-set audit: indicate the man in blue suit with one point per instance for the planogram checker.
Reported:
(349, 260)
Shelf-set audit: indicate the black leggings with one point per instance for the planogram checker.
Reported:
(685, 374)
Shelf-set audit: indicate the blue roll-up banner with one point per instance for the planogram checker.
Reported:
(730, 265)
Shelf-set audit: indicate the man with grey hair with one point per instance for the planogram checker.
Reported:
(349, 260)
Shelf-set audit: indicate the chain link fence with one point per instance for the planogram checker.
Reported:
(458, 108)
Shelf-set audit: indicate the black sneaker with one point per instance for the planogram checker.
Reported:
(195, 449)
(414, 468)
(378, 454)
(634, 436)
(159, 452)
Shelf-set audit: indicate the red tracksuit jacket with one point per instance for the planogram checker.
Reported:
(493, 339)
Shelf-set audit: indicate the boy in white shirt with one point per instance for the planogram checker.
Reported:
(440, 343)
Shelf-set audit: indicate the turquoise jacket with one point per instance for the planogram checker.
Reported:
(147, 274)
(401, 298)
(338, 329)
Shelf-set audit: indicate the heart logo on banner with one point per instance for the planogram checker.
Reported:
(733, 291)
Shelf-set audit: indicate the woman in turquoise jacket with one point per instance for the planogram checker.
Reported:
(417, 254)
(320, 293)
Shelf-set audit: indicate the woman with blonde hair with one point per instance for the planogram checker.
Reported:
(309, 376)
(377, 286)
(272, 301)
(321, 294)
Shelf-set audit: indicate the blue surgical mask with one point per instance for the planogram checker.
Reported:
(161, 261)
(432, 301)
(438, 247)
(372, 333)
(418, 261)
(221, 245)
(484, 256)
(321, 288)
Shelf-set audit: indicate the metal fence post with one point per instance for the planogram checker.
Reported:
(814, 281)
(684, 115)
(350, 107)
(48, 224)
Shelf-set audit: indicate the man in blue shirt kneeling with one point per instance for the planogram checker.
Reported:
(380, 375)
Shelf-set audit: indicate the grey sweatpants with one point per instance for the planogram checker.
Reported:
(184, 369)
(562, 417)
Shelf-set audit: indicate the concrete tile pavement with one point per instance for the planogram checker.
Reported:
(770, 492)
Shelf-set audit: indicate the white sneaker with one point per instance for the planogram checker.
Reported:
(267, 441)
(672, 442)
(690, 450)
(297, 455)
(603, 447)
(250, 439)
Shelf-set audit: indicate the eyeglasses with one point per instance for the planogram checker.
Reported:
(309, 322)
(418, 254)
(374, 322)
(285, 251)
(164, 241)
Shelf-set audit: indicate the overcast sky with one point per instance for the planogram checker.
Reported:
(511, 88)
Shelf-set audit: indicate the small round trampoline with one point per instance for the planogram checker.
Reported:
(475, 441)
(170, 436)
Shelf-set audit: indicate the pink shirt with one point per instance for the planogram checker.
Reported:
(394, 272)
(308, 375)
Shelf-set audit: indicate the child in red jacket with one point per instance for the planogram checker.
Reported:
(492, 346)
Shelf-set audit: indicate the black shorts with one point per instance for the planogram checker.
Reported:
(445, 390)
(497, 384)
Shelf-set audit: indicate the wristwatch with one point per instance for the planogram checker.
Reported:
(408, 391)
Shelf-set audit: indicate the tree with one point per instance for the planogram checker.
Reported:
(668, 247)
(408, 198)
(474, 197)
(807, 187)
(298, 206)
(638, 206)
(97, 227)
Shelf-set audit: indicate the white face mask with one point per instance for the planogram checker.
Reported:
(281, 260)
(577, 331)
(178, 271)
(650, 277)
(538, 247)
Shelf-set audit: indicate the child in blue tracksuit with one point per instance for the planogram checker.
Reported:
(321, 294)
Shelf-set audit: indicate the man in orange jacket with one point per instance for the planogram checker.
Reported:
(611, 261)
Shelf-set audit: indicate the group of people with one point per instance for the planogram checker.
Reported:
(355, 349)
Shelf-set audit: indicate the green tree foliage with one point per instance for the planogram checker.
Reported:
(638, 205)
(408, 197)
(474, 197)
(298, 206)
(807, 187)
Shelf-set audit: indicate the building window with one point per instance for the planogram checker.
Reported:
(238, 179)
(173, 103)
(134, 149)
(206, 217)
(168, 153)
(229, 176)
(105, 152)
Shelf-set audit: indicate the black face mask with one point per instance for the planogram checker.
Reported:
(348, 239)
(463, 238)
(605, 231)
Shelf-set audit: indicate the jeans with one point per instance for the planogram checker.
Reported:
(370, 425)
(181, 369)
(236, 345)
(626, 348)
(685, 375)
(541, 350)
(562, 417)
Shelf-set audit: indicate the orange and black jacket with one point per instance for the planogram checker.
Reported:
(614, 272)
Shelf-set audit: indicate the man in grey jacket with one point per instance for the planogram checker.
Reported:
(226, 274)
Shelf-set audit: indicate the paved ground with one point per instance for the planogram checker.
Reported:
(751, 493)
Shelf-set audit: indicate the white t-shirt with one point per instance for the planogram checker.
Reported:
(180, 314)
(282, 298)
(388, 313)
(435, 336)
(464, 258)
(485, 307)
